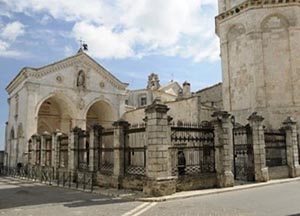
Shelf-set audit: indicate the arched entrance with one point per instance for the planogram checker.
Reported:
(54, 114)
(100, 113)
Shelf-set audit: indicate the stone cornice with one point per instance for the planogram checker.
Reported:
(79, 58)
(253, 4)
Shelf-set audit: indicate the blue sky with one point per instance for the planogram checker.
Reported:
(130, 38)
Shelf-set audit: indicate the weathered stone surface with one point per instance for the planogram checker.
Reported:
(159, 187)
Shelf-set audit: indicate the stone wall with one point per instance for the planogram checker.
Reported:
(212, 96)
(188, 110)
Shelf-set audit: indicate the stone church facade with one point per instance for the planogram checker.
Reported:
(76, 91)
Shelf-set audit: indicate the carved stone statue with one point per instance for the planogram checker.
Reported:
(81, 79)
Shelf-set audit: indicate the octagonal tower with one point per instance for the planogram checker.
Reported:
(260, 52)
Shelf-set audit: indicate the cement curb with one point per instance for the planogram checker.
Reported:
(189, 194)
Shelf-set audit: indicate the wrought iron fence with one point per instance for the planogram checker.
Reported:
(135, 151)
(38, 150)
(275, 145)
(82, 149)
(63, 143)
(84, 180)
(48, 151)
(192, 151)
(243, 154)
(36, 173)
(106, 151)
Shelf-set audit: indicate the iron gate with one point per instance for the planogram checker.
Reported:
(243, 154)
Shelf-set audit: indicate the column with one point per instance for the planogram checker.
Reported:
(159, 181)
(224, 148)
(261, 172)
(290, 126)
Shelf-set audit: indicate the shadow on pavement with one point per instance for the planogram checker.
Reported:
(14, 193)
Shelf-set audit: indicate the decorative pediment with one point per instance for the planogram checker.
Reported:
(80, 61)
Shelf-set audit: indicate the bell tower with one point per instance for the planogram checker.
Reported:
(260, 52)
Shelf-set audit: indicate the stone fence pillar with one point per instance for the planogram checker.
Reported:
(290, 127)
(54, 152)
(33, 149)
(224, 148)
(93, 145)
(119, 145)
(73, 143)
(261, 172)
(44, 137)
(159, 181)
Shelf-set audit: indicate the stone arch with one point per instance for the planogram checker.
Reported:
(100, 111)
(62, 97)
(235, 31)
(54, 112)
(273, 22)
(277, 59)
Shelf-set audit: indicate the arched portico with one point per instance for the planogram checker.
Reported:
(100, 112)
(55, 113)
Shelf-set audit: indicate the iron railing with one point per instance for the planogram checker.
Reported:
(275, 146)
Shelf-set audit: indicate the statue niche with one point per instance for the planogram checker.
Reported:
(80, 83)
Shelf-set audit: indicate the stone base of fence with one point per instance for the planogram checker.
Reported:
(225, 179)
(133, 182)
(160, 187)
(278, 172)
(262, 175)
(294, 171)
(103, 180)
(205, 181)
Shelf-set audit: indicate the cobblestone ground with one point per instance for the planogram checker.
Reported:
(20, 198)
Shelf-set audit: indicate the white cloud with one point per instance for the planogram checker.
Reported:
(12, 30)
(6, 51)
(130, 28)
(8, 34)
